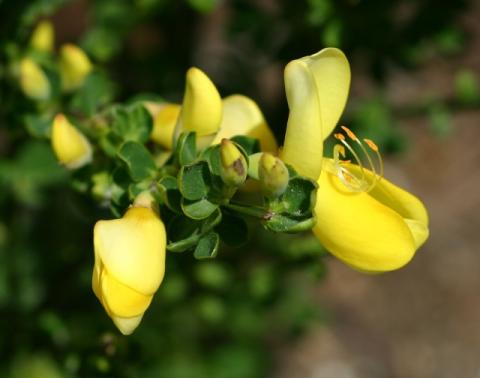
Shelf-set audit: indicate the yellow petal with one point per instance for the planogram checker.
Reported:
(127, 325)
(74, 66)
(132, 249)
(43, 37)
(242, 116)
(202, 105)
(164, 125)
(404, 203)
(122, 300)
(360, 229)
(317, 89)
(33, 81)
(70, 146)
(331, 71)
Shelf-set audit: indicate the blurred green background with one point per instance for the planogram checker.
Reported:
(277, 307)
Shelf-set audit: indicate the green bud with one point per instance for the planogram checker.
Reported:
(233, 164)
(273, 175)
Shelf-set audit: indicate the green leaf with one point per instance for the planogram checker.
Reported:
(212, 156)
(186, 149)
(184, 233)
(198, 209)
(207, 247)
(169, 193)
(299, 197)
(132, 123)
(139, 161)
(233, 230)
(284, 223)
(194, 180)
(95, 92)
(39, 125)
(203, 6)
(249, 145)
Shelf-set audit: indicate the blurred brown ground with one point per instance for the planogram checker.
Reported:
(422, 321)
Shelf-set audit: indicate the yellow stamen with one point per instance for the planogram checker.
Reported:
(371, 144)
(349, 132)
(352, 180)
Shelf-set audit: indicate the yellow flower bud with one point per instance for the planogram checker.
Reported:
(129, 264)
(33, 81)
(201, 108)
(70, 146)
(233, 164)
(273, 175)
(74, 67)
(164, 123)
(43, 37)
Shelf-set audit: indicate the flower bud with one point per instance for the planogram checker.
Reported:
(42, 38)
(233, 164)
(273, 175)
(70, 146)
(33, 81)
(129, 264)
(74, 67)
(164, 123)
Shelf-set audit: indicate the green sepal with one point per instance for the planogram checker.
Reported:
(300, 196)
(169, 194)
(138, 159)
(207, 246)
(194, 180)
(199, 209)
(186, 148)
(284, 223)
(132, 123)
(136, 188)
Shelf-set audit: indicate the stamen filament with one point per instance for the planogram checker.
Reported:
(351, 180)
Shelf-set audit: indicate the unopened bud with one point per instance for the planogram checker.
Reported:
(70, 146)
(43, 37)
(74, 67)
(33, 81)
(164, 123)
(273, 175)
(233, 164)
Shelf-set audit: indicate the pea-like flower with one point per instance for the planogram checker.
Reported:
(129, 263)
(74, 65)
(43, 37)
(210, 116)
(70, 146)
(362, 219)
(33, 80)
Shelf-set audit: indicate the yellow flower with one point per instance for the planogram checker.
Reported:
(70, 146)
(212, 118)
(242, 116)
(33, 81)
(362, 219)
(129, 264)
(42, 38)
(74, 67)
